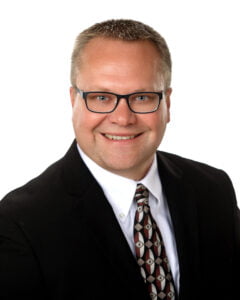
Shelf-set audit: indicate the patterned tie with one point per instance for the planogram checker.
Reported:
(150, 251)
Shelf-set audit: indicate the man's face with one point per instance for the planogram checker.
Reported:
(122, 142)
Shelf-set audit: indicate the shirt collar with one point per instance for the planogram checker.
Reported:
(119, 190)
(152, 180)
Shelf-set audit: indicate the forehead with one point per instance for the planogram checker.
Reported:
(106, 48)
(102, 53)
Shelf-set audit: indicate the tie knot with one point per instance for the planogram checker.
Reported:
(141, 195)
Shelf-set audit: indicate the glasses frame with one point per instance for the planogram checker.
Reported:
(119, 97)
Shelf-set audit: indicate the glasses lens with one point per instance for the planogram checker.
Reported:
(101, 102)
(144, 102)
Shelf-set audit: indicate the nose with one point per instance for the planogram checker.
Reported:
(122, 115)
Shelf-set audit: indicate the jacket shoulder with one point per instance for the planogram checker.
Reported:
(37, 195)
(198, 174)
(53, 192)
(188, 166)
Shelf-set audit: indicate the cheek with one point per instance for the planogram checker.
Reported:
(157, 122)
(154, 121)
(84, 121)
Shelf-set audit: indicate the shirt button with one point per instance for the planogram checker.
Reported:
(121, 215)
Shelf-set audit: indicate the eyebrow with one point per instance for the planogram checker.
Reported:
(98, 89)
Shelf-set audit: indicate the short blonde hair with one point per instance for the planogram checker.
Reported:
(126, 30)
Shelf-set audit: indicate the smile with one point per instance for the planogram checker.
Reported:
(119, 137)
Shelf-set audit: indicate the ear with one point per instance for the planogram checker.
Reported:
(72, 95)
(168, 102)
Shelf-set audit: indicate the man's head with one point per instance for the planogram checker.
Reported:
(110, 57)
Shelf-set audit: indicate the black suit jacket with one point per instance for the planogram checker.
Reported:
(59, 238)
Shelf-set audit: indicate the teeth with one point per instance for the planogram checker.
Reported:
(118, 138)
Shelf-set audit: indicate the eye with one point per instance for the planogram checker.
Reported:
(99, 97)
(141, 97)
(102, 98)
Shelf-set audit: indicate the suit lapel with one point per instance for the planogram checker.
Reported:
(183, 211)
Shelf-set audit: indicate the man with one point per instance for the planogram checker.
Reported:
(80, 230)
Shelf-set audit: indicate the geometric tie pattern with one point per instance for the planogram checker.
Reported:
(150, 250)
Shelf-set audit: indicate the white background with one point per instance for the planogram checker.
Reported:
(36, 40)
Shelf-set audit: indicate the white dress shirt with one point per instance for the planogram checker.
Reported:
(120, 191)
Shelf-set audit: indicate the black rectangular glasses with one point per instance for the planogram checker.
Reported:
(105, 102)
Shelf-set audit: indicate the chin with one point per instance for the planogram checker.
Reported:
(127, 169)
